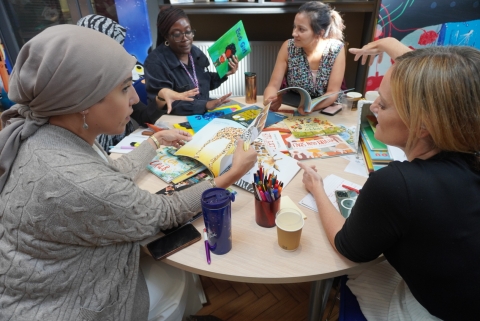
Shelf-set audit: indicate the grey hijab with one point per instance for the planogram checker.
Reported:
(63, 70)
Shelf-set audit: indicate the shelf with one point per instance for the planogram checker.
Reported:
(269, 7)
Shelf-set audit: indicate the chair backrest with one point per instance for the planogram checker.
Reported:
(141, 89)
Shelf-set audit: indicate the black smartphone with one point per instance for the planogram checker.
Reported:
(345, 201)
(173, 242)
(331, 110)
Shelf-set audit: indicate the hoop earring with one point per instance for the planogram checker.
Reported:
(85, 125)
(167, 43)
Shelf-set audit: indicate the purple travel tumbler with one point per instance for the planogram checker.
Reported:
(217, 214)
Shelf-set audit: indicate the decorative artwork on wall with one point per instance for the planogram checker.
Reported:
(419, 24)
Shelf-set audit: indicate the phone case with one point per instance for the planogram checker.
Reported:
(173, 242)
(345, 201)
(331, 110)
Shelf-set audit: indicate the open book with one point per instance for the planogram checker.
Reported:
(305, 100)
(233, 42)
(215, 143)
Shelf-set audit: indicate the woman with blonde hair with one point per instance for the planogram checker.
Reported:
(71, 218)
(314, 59)
(421, 214)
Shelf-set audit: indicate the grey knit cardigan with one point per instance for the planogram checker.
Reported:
(70, 224)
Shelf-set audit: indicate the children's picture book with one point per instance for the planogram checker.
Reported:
(185, 126)
(377, 156)
(305, 100)
(171, 168)
(170, 189)
(215, 143)
(245, 116)
(277, 163)
(370, 139)
(197, 122)
(317, 147)
(233, 42)
(273, 142)
(309, 126)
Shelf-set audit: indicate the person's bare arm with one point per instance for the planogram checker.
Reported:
(279, 71)
(390, 46)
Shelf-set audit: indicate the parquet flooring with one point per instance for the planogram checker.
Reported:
(236, 301)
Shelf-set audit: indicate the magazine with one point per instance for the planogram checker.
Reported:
(233, 42)
(215, 143)
(305, 100)
(317, 147)
(309, 126)
(171, 168)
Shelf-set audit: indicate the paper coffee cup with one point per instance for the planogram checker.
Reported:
(289, 223)
(352, 99)
(371, 95)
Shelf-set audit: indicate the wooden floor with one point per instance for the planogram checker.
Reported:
(231, 301)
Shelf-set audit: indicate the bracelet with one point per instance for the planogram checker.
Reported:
(160, 98)
(155, 140)
(212, 181)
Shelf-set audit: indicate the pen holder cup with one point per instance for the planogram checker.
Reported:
(265, 212)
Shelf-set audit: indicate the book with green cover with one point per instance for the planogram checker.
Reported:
(370, 139)
(309, 126)
(172, 168)
(233, 42)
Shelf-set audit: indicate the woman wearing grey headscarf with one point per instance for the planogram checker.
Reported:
(71, 218)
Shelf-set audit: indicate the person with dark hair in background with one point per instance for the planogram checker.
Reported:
(313, 60)
(141, 114)
(179, 65)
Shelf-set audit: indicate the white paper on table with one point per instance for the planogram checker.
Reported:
(356, 165)
(126, 141)
(331, 183)
(396, 153)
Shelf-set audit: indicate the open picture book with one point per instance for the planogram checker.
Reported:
(214, 144)
(233, 42)
(305, 100)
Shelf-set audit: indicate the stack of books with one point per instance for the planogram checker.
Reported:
(375, 152)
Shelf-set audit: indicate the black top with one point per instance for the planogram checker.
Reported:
(424, 216)
(164, 70)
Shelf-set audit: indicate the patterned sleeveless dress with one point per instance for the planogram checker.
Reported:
(298, 69)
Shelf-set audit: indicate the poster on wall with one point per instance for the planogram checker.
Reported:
(420, 24)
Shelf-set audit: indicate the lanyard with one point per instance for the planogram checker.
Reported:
(194, 78)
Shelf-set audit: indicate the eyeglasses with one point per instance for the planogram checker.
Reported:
(178, 36)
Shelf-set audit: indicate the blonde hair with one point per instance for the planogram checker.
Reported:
(438, 88)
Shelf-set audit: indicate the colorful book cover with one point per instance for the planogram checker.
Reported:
(377, 156)
(168, 166)
(309, 126)
(245, 116)
(277, 163)
(273, 142)
(368, 160)
(372, 120)
(370, 139)
(170, 189)
(317, 147)
(233, 42)
(185, 126)
(197, 122)
(348, 133)
(215, 143)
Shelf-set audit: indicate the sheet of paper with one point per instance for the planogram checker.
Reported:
(287, 202)
(396, 153)
(126, 141)
(331, 183)
(356, 165)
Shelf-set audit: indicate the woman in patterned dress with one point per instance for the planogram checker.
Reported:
(314, 59)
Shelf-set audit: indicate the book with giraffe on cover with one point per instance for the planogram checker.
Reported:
(215, 143)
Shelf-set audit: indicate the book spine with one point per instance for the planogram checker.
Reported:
(375, 155)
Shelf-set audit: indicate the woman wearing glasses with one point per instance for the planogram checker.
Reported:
(179, 65)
